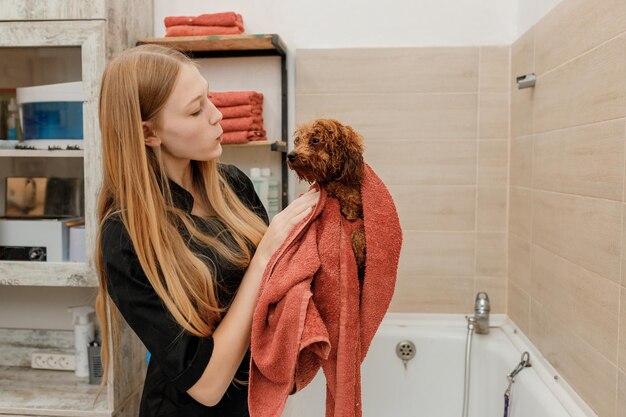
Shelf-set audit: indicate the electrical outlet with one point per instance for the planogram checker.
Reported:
(51, 360)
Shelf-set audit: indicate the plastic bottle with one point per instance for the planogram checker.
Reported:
(13, 121)
(273, 193)
(261, 186)
(83, 335)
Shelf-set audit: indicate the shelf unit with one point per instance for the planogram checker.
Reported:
(233, 46)
(96, 30)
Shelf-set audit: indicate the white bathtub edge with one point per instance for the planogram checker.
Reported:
(559, 386)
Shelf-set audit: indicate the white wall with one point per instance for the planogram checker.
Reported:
(530, 12)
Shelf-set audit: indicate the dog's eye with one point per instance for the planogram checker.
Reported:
(315, 140)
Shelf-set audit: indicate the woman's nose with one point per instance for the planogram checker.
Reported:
(215, 115)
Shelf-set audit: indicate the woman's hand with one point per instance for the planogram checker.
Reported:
(283, 223)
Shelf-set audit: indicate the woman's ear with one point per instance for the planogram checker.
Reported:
(150, 136)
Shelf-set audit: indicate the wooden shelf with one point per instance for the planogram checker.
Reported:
(51, 393)
(29, 153)
(47, 274)
(274, 145)
(223, 45)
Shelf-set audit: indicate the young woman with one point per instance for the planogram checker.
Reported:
(183, 240)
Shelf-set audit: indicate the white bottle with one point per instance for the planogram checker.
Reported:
(273, 193)
(261, 186)
(13, 130)
(83, 335)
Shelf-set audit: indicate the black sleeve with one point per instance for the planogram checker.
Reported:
(182, 356)
(243, 187)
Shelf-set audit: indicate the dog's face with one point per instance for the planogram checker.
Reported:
(325, 151)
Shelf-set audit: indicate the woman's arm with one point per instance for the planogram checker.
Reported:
(231, 338)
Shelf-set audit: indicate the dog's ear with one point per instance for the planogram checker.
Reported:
(352, 170)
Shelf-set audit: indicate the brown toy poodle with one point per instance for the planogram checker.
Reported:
(331, 154)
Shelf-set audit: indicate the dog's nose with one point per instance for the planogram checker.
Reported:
(292, 155)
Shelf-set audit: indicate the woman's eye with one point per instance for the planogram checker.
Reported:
(315, 140)
(197, 113)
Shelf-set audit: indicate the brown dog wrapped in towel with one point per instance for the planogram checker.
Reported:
(331, 154)
(313, 311)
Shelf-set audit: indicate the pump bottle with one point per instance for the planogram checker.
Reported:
(83, 335)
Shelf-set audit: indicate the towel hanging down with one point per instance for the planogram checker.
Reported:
(313, 312)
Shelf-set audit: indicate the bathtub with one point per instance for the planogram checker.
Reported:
(432, 384)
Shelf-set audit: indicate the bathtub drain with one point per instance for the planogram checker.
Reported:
(405, 351)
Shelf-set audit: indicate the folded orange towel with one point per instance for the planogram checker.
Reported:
(245, 110)
(173, 31)
(208, 19)
(242, 123)
(236, 98)
(243, 136)
(311, 311)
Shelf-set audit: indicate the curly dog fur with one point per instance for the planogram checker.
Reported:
(331, 154)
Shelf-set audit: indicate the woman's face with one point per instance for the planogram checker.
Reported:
(188, 125)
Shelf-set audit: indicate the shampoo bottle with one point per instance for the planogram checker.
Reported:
(13, 121)
(273, 194)
(261, 186)
(83, 335)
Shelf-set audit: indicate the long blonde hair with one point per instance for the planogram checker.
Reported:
(134, 88)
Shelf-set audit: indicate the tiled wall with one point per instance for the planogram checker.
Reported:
(566, 228)
(435, 122)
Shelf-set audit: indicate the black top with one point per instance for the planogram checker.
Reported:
(178, 358)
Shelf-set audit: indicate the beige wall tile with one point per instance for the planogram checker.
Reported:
(396, 116)
(437, 253)
(494, 71)
(495, 287)
(518, 307)
(588, 89)
(520, 213)
(491, 206)
(584, 230)
(521, 164)
(490, 254)
(582, 366)
(621, 395)
(443, 208)
(493, 115)
(558, 40)
(493, 156)
(519, 262)
(622, 331)
(522, 62)
(586, 303)
(433, 294)
(387, 70)
(423, 163)
(587, 160)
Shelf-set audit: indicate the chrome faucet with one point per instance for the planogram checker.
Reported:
(481, 313)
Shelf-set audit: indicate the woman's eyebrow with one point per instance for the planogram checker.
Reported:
(198, 97)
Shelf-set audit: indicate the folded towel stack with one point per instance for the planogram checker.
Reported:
(242, 113)
(227, 23)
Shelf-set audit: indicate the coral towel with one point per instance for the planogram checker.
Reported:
(189, 30)
(313, 312)
(207, 19)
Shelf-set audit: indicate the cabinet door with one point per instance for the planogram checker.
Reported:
(51, 9)
(90, 37)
